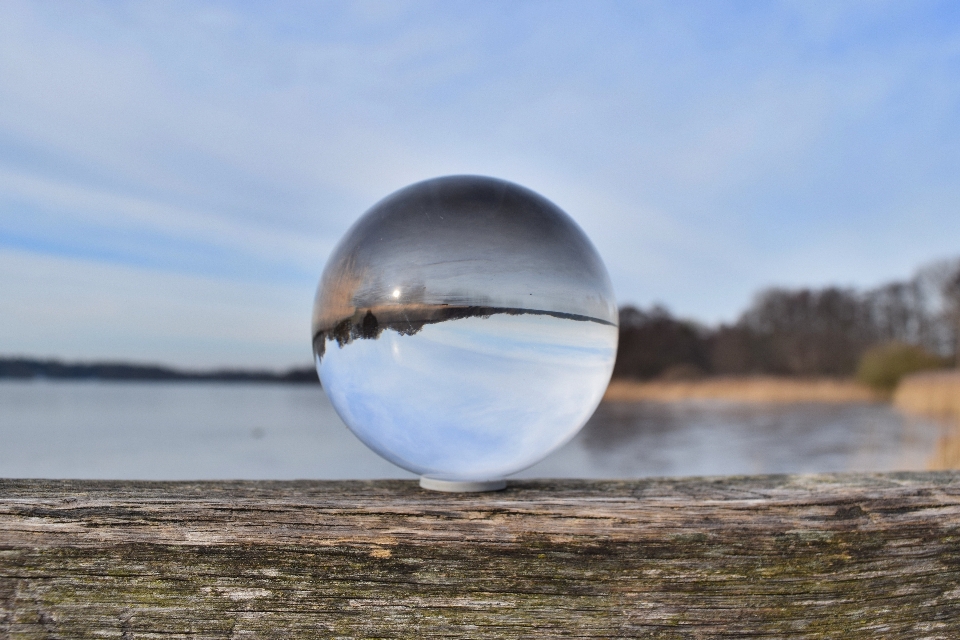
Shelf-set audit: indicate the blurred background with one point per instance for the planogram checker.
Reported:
(773, 187)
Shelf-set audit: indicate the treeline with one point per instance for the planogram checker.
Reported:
(25, 368)
(798, 332)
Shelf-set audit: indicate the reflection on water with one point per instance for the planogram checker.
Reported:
(626, 439)
(177, 431)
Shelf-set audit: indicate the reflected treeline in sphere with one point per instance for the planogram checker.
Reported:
(464, 328)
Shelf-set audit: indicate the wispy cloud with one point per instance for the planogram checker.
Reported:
(707, 148)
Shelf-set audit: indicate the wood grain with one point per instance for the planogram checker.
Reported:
(829, 556)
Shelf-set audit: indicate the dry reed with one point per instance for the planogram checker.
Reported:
(759, 389)
(935, 395)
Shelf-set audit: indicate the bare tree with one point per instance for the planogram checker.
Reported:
(809, 331)
(651, 342)
(951, 293)
(938, 311)
(801, 331)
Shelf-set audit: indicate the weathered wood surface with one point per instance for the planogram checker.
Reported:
(864, 556)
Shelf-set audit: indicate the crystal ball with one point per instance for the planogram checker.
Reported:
(464, 328)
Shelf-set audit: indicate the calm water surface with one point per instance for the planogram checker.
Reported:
(212, 430)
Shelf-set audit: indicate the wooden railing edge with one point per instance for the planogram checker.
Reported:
(830, 555)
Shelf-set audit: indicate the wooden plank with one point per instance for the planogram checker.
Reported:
(829, 556)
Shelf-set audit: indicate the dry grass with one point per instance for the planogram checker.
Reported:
(760, 389)
(936, 395)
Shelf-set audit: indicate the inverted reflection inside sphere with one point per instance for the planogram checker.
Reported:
(464, 328)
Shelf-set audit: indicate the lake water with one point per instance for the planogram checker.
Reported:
(260, 431)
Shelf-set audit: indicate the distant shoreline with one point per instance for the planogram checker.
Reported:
(749, 389)
(32, 369)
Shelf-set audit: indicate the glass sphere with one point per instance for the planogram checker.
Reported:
(464, 328)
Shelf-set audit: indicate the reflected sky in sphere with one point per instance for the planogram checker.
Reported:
(464, 328)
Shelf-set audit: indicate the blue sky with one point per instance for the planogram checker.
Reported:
(174, 175)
